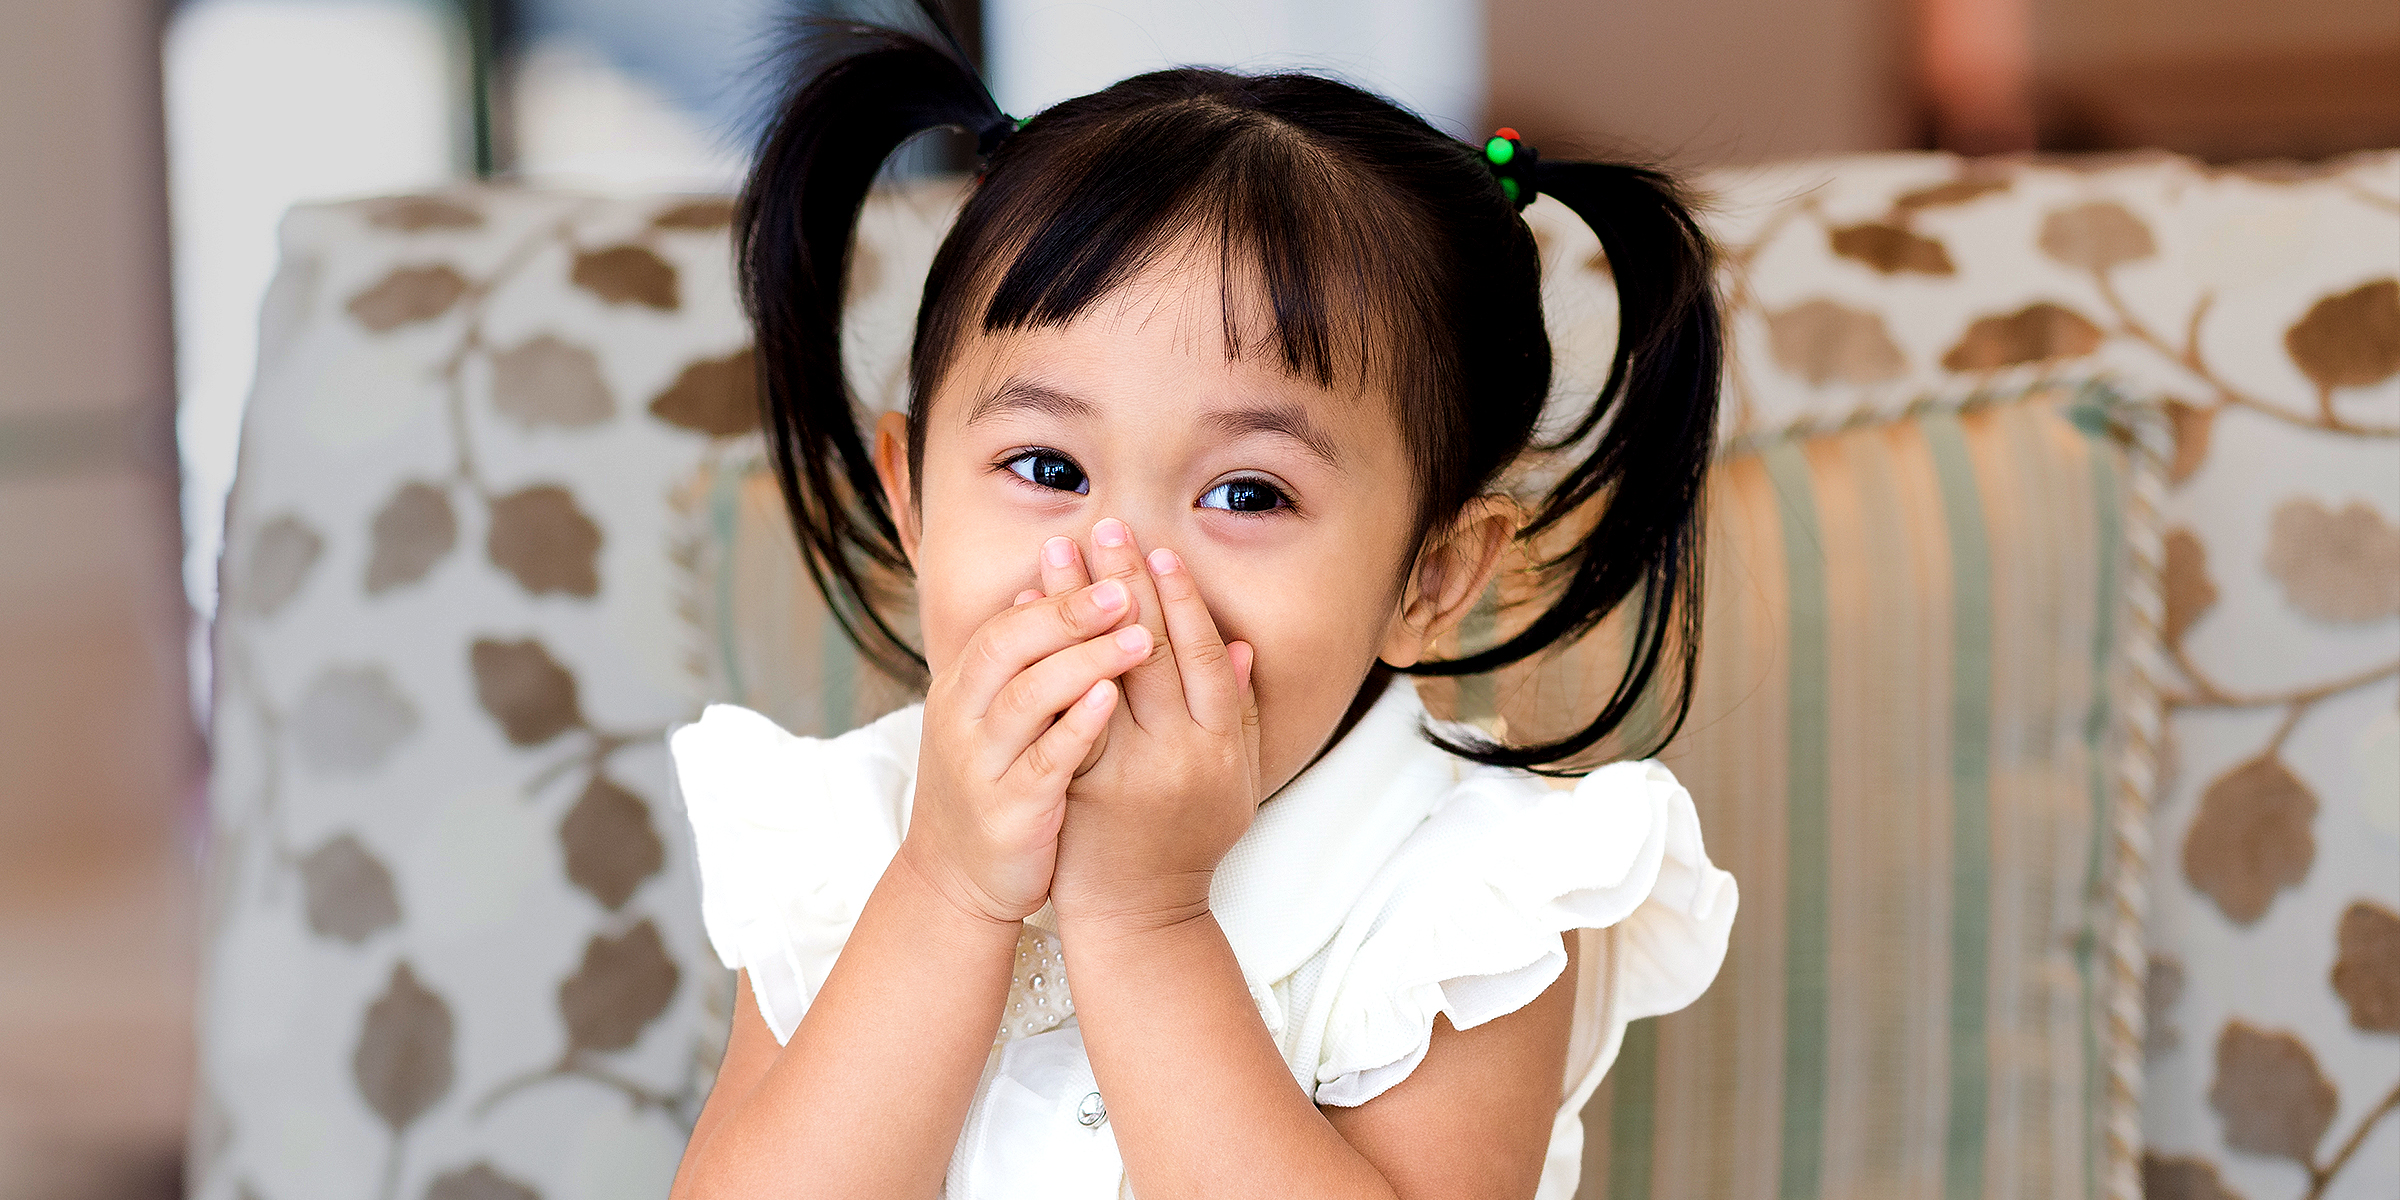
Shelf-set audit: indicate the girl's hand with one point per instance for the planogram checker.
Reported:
(1006, 727)
(1178, 781)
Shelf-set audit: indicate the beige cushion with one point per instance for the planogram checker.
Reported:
(1907, 743)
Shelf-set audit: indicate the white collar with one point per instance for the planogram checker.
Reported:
(1284, 889)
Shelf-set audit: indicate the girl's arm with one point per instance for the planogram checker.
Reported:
(868, 1097)
(1203, 1105)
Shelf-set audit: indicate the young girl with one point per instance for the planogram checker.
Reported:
(1216, 381)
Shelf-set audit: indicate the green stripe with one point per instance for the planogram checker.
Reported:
(2110, 498)
(1479, 695)
(837, 688)
(1970, 804)
(1632, 1112)
(724, 519)
(1804, 997)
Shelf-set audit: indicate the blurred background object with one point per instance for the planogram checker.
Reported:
(2221, 80)
(99, 754)
(1426, 54)
(368, 88)
(129, 352)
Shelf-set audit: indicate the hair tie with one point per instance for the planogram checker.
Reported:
(994, 132)
(1512, 163)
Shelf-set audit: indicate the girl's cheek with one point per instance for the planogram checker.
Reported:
(958, 590)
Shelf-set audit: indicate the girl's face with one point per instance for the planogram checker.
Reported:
(1292, 504)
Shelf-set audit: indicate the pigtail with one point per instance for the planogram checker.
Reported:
(858, 92)
(1655, 421)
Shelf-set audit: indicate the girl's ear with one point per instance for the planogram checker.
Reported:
(891, 466)
(1449, 577)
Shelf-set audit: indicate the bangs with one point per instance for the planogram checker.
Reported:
(1308, 246)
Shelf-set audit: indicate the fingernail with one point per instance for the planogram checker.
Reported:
(1110, 532)
(1096, 696)
(1058, 552)
(1109, 594)
(1163, 561)
(1133, 639)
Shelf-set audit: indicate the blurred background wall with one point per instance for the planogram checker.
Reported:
(147, 148)
(98, 749)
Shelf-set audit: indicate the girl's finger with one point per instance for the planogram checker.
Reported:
(1024, 634)
(1211, 689)
(1061, 751)
(1153, 689)
(1245, 656)
(1062, 566)
(1027, 596)
(1030, 701)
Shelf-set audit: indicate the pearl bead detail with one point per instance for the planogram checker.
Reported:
(1038, 1000)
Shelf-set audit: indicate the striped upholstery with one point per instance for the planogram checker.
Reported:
(1898, 744)
(1901, 745)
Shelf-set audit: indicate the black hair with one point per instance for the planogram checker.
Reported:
(1381, 245)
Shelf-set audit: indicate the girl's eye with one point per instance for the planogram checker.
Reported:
(1049, 470)
(1245, 496)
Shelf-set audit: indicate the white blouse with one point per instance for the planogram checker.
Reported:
(1389, 882)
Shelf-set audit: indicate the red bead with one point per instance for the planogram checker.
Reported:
(1505, 132)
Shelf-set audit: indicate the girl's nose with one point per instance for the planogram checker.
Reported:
(1151, 519)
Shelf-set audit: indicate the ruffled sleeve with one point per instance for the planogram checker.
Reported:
(792, 833)
(1471, 913)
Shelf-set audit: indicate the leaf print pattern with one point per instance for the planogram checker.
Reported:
(351, 896)
(408, 295)
(350, 719)
(527, 690)
(412, 531)
(543, 539)
(403, 1064)
(2338, 567)
(628, 275)
(548, 381)
(2037, 333)
(1891, 249)
(611, 846)
(2252, 838)
(718, 397)
(625, 982)
(281, 554)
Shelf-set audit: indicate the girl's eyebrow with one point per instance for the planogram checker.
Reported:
(1019, 394)
(1283, 420)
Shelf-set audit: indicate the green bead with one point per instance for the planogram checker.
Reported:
(1508, 188)
(1499, 150)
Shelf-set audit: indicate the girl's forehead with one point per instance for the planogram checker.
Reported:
(1155, 358)
(1187, 318)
